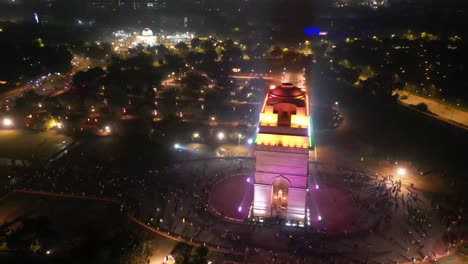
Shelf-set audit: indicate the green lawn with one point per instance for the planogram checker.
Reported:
(20, 144)
(454, 259)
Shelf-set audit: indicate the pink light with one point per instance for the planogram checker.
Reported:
(239, 209)
(316, 186)
(319, 218)
(248, 179)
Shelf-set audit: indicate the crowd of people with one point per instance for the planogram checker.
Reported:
(175, 200)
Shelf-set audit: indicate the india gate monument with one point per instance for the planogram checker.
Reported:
(282, 146)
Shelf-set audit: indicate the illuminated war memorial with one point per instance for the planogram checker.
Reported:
(282, 145)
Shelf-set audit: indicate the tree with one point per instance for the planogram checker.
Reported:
(422, 107)
(135, 75)
(179, 259)
(195, 43)
(229, 44)
(210, 56)
(162, 50)
(257, 51)
(138, 254)
(276, 52)
(174, 62)
(233, 54)
(194, 57)
(89, 78)
(207, 45)
(199, 255)
(215, 100)
(116, 97)
(193, 83)
(97, 51)
(181, 47)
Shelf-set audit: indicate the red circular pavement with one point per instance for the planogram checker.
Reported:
(233, 196)
(336, 208)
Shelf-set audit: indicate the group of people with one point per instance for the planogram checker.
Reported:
(175, 200)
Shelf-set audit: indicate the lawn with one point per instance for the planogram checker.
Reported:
(23, 145)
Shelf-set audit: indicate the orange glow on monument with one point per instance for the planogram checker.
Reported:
(282, 154)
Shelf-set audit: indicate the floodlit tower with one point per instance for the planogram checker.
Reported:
(282, 146)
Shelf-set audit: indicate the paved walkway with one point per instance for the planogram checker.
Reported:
(443, 111)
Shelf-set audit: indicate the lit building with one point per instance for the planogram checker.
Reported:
(282, 146)
(146, 38)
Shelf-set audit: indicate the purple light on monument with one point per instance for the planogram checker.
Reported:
(239, 209)
(319, 218)
(248, 179)
(316, 186)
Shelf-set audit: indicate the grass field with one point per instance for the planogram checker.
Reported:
(22, 145)
(80, 220)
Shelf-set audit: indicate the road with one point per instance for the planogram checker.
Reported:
(443, 111)
(52, 84)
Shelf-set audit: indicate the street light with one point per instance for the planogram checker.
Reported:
(195, 135)
(220, 135)
(7, 122)
(239, 136)
(401, 171)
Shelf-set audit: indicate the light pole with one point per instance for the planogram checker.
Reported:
(220, 135)
(336, 106)
(401, 172)
(239, 136)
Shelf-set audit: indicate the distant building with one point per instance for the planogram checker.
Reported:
(282, 147)
(146, 38)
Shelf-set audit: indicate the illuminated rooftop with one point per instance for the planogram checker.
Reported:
(286, 93)
(285, 118)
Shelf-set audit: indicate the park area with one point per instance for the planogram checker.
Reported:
(52, 228)
(24, 145)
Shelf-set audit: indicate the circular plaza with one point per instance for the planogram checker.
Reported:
(330, 207)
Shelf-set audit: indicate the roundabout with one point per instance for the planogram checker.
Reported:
(352, 214)
(331, 208)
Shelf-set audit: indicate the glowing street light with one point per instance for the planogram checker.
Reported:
(221, 135)
(249, 141)
(401, 171)
(195, 135)
(7, 122)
